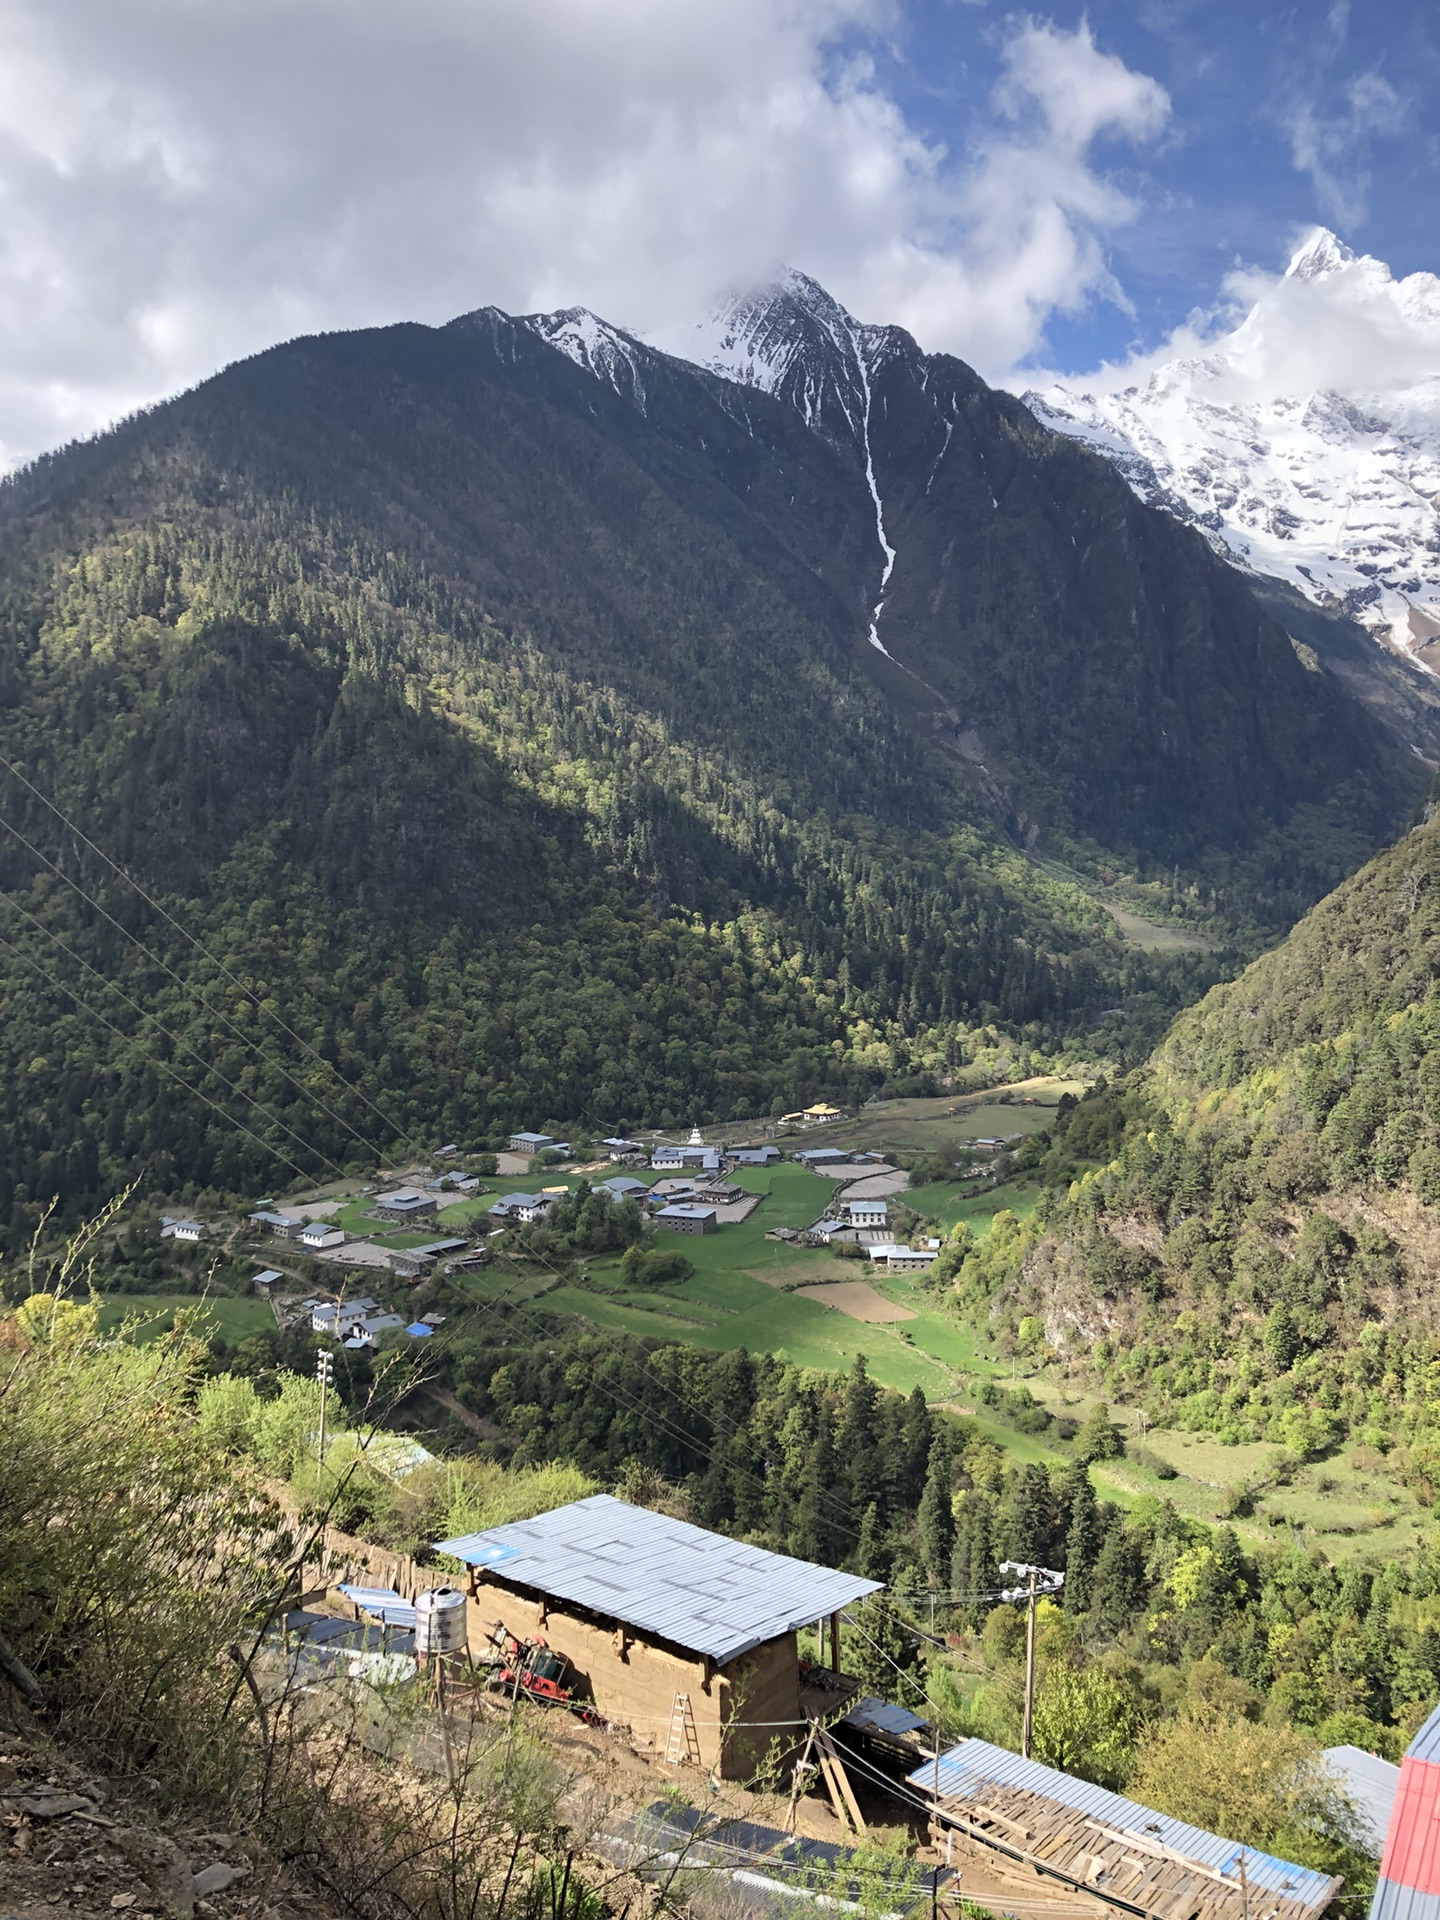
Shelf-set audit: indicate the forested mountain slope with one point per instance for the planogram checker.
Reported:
(508, 736)
(1253, 1247)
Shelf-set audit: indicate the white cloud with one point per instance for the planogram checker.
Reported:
(1336, 323)
(1329, 143)
(183, 183)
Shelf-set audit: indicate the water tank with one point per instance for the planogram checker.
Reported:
(440, 1621)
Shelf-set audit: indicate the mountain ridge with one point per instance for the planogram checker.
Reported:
(1304, 442)
(521, 744)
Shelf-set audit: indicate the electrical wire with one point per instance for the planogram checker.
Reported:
(173, 1038)
(215, 1013)
(164, 1065)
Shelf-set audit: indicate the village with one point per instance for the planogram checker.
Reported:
(683, 1655)
(687, 1188)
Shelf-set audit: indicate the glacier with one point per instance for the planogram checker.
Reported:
(1304, 443)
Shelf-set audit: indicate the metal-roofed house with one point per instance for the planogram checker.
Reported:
(622, 1186)
(1409, 1883)
(684, 1634)
(1371, 1784)
(404, 1204)
(1064, 1845)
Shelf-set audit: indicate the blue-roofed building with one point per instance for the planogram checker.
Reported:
(684, 1634)
(1060, 1843)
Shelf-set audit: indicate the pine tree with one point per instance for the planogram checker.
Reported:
(1083, 1537)
(937, 1520)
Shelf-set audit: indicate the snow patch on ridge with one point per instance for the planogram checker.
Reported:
(1304, 444)
(592, 343)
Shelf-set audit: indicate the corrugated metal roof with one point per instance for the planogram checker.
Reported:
(967, 1771)
(381, 1603)
(1426, 1744)
(681, 1583)
(1412, 1840)
(1370, 1783)
(1390, 1901)
(878, 1716)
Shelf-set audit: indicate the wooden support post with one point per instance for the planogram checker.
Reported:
(832, 1787)
(835, 1643)
(831, 1751)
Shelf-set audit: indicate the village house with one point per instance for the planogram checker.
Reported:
(403, 1205)
(622, 1186)
(530, 1142)
(362, 1330)
(704, 1159)
(263, 1282)
(277, 1223)
(619, 1149)
(755, 1156)
(822, 1159)
(820, 1115)
(325, 1317)
(682, 1217)
(191, 1230)
(865, 1213)
(319, 1235)
(685, 1635)
(892, 1259)
(525, 1208)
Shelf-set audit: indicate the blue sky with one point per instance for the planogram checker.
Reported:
(1282, 117)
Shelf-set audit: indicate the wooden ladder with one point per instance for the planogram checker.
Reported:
(682, 1744)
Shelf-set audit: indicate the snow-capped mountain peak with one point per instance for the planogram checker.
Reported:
(1304, 443)
(1321, 252)
(602, 349)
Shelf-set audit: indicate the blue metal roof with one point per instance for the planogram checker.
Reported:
(381, 1603)
(967, 1771)
(680, 1583)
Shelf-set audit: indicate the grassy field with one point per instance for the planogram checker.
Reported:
(952, 1121)
(233, 1316)
(744, 1293)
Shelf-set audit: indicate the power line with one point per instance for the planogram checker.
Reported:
(164, 1065)
(173, 1038)
(215, 1013)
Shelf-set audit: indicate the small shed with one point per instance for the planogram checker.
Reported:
(1065, 1846)
(683, 1634)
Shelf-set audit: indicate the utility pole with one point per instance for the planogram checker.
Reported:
(1029, 1669)
(1039, 1582)
(324, 1367)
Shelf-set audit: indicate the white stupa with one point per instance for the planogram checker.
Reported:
(695, 1140)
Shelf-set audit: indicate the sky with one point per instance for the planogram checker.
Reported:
(183, 182)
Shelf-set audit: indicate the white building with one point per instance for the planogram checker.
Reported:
(319, 1235)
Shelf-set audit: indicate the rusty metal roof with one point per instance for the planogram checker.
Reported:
(678, 1582)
